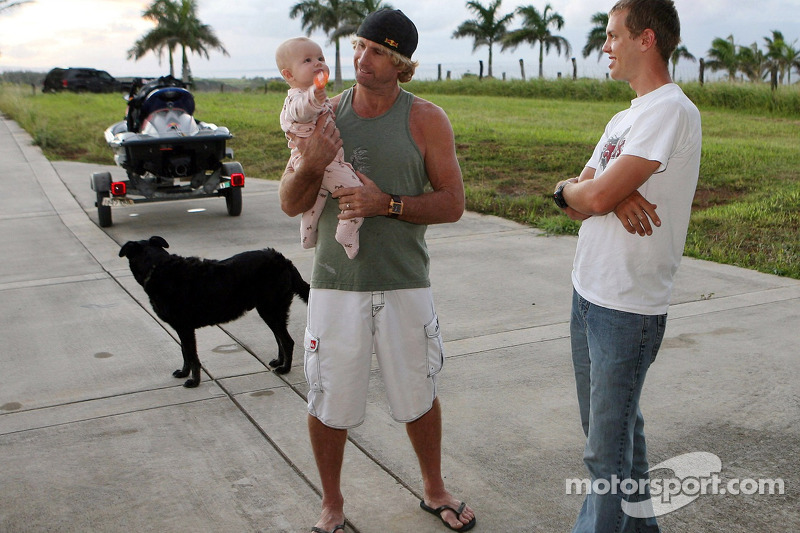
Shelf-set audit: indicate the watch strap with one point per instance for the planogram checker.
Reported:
(558, 196)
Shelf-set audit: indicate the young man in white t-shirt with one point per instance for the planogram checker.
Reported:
(634, 197)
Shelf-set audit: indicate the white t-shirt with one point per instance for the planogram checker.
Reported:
(623, 271)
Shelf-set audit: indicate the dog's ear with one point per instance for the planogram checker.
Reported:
(155, 240)
(129, 249)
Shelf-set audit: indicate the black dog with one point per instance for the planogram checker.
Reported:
(189, 293)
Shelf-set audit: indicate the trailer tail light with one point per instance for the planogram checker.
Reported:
(237, 179)
(119, 188)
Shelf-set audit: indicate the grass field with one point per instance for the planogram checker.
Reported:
(513, 149)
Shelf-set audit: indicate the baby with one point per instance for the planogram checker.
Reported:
(302, 65)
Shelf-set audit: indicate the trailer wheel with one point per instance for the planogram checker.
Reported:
(233, 201)
(233, 195)
(103, 211)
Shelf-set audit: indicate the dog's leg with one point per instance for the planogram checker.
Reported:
(191, 363)
(277, 323)
(283, 363)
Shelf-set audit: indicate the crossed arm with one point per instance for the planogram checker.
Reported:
(616, 192)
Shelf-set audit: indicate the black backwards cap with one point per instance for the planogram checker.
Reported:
(392, 29)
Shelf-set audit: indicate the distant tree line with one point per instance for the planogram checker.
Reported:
(778, 56)
(22, 77)
(490, 27)
(177, 26)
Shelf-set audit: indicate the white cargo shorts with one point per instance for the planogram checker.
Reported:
(344, 330)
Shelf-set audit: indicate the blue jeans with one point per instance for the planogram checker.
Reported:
(611, 352)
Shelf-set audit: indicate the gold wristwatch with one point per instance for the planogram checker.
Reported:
(395, 206)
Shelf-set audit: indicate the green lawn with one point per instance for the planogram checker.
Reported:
(513, 150)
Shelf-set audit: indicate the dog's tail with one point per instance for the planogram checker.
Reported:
(299, 286)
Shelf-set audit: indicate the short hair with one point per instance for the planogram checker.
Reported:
(398, 59)
(657, 15)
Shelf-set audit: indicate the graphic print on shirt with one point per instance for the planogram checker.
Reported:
(360, 160)
(613, 149)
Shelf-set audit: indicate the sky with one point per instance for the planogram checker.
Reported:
(98, 33)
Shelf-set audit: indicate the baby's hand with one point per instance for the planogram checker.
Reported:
(321, 79)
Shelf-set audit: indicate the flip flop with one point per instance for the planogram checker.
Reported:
(439, 510)
(316, 529)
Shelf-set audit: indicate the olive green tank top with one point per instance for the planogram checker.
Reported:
(392, 254)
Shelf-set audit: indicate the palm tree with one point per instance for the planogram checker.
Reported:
(775, 53)
(536, 29)
(197, 38)
(723, 54)
(486, 29)
(793, 59)
(328, 16)
(357, 11)
(596, 38)
(176, 25)
(680, 52)
(782, 55)
(752, 62)
(162, 13)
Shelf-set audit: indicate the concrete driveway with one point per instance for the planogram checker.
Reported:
(96, 435)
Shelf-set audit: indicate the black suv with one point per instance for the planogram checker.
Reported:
(80, 80)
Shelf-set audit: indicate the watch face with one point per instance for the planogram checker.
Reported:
(395, 206)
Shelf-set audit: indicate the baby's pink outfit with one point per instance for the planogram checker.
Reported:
(299, 117)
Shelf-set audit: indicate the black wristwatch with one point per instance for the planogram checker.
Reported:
(395, 206)
(558, 196)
